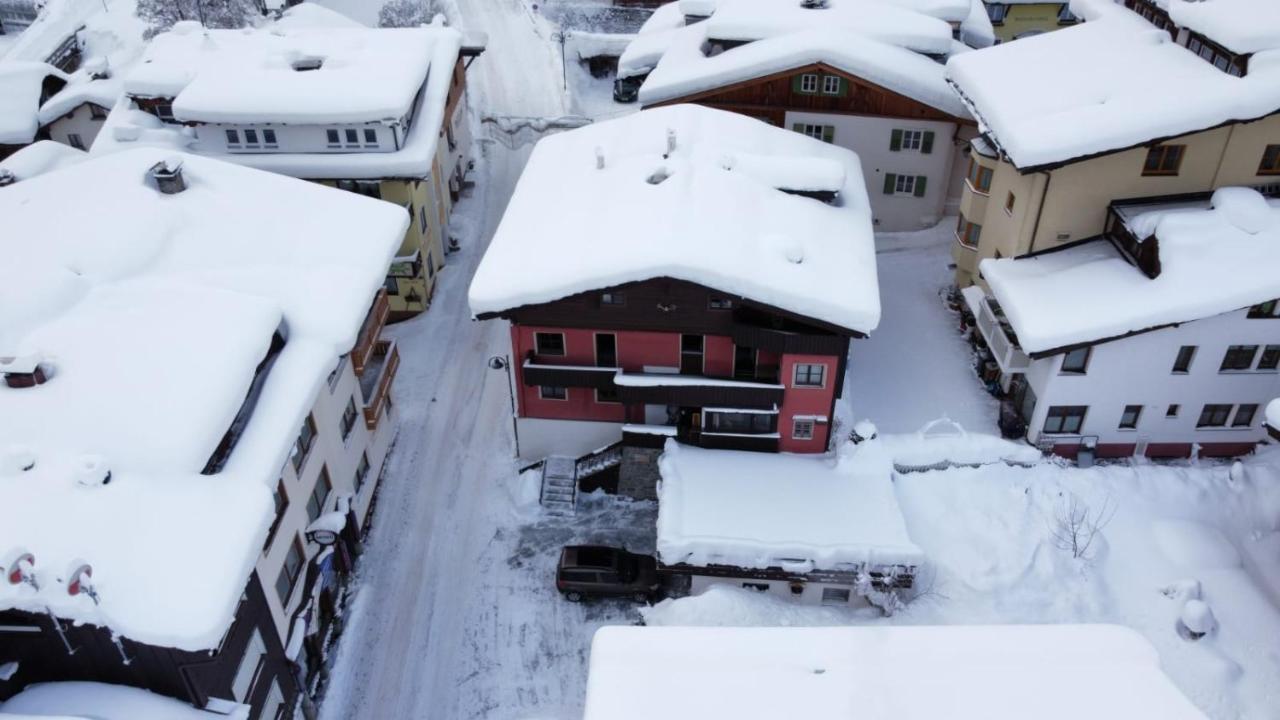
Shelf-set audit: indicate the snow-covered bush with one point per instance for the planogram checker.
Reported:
(160, 15)
(407, 13)
(1197, 619)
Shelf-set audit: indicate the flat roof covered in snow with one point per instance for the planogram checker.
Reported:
(98, 701)
(759, 510)
(1213, 260)
(151, 313)
(20, 88)
(1117, 82)
(709, 212)
(1241, 26)
(995, 672)
(896, 22)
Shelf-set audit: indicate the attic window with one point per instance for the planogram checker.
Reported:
(306, 64)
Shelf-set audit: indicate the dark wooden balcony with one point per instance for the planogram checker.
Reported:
(367, 340)
(375, 383)
(696, 391)
(588, 376)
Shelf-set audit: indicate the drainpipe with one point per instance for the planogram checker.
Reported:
(1222, 157)
(1035, 230)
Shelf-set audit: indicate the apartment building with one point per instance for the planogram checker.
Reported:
(1015, 19)
(716, 308)
(378, 112)
(865, 76)
(192, 437)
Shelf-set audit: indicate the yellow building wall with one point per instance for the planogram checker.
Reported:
(1030, 18)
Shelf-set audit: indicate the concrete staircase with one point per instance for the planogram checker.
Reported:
(560, 485)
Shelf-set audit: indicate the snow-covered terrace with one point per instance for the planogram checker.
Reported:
(150, 313)
(998, 672)
(1214, 259)
(759, 510)
(690, 193)
(352, 85)
(1117, 82)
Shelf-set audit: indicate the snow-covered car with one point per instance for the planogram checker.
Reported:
(600, 571)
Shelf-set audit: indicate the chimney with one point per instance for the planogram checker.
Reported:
(7, 177)
(168, 176)
(23, 371)
(599, 158)
(671, 140)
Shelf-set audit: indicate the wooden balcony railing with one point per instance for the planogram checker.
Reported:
(370, 332)
(384, 362)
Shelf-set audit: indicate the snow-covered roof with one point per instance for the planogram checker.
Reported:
(152, 312)
(127, 126)
(41, 157)
(996, 672)
(20, 88)
(894, 22)
(80, 90)
(709, 213)
(1241, 26)
(757, 510)
(268, 75)
(1212, 261)
(1117, 82)
(1273, 414)
(98, 701)
(685, 70)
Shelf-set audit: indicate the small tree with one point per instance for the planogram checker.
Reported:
(160, 15)
(407, 13)
(1075, 525)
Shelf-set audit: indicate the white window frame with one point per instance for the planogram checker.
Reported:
(564, 344)
(542, 394)
(370, 143)
(912, 140)
(269, 139)
(229, 134)
(904, 184)
(256, 142)
(809, 83)
(797, 424)
(817, 131)
(795, 376)
(829, 87)
(255, 652)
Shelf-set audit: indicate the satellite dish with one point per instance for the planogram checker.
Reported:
(20, 569)
(80, 580)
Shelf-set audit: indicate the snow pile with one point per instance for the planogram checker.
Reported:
(20, 87)
(1110, 91)
(655, 211)
(99, 701)
(944, 443)
(586, 45)
(755, 510)
(913, 673)
(82, 89)
(886, 22)
(723, 605)
(152, 312)
(41, 157)
(1213, 260)
(1241, 26)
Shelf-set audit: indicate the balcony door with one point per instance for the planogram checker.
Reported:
(606, 350)
(744, 362)
(691, 347)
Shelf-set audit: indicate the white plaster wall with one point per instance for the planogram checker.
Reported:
(212, 137)
(1139, 371)
(543, 437)
(812, 594)
(80, 122)
(869, 138)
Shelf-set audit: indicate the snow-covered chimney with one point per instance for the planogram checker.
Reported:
(92, 471)
(599, 158)
(23, 371)
(168, 176)
(671, 140)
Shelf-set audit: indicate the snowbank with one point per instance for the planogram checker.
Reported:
(1010, 672)
(151, 313)
(1213, 260)
(41, 157)
(20, 87)
(99, 701)
(755, 510)
(685, 213)
(722, 605)
(930, 448)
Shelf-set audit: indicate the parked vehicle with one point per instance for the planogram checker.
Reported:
(600, 571)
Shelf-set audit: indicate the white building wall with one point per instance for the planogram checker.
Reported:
(870, 138)
(212, 138)
(1139, 371)
(78, 122)
(810, 594)
(542, 437)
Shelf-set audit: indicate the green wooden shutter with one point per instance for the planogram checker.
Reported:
(889, 180)
(844, 87)
(920, 183)
(828, 133)
(798, 127)
(895, 141)
(926, 145)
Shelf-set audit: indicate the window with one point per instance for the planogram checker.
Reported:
(1238, 357)
(716, 302)
(1268, 309)
(607, 395)
(904, 184)
(1065, 16)
(758, 587)
(997, 12)
(289, 572)
(1214, 416)
(334, 139)
(831, 85)
(606, 350)
(1172, 412)
(691, 347)
(1182, 363)
(968, 233)
(370, 137)
(251, 138)
(74, 140)
(1008, 204)
(919, 140)
(164, 111)
(808, 83)
(740, 423)
(810, 375)
(835, 596)
(97, 112)
(319, 495)
(281, 500)
(825, 133)
(1163, 160)
(348, 419)
(362, 472)
(422, 218)
(548, 343)
(802, 430)
(233, 138)
(247, 671)
(353, 137)
(1270, 359)
(1067, 419)
(269, 138)
(302, 446)
(1129, 418)
(980, 177)
(392, 286)
(1076, 362)
(431, 266)
(1244, 415)
(614, 299)
(1270, 164)
(551, 392)
(911, 139)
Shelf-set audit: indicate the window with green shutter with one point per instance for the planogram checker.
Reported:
(825, 133)
(895, 141)
(889, 181)
(806, 84)
(926, 146)
(920, 183)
